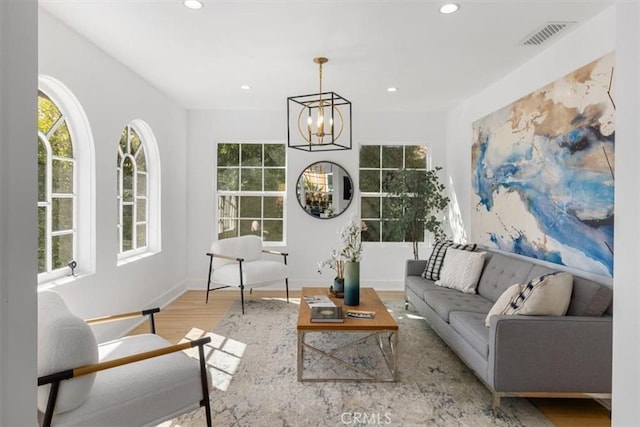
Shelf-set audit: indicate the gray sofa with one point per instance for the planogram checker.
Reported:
(566, 356)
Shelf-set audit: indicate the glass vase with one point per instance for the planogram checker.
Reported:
(351, 283)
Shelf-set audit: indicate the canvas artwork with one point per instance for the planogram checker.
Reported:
(543, 172)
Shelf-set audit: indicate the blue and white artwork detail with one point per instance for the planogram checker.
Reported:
(543, 172)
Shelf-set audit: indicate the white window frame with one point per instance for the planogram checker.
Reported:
(239, 193)
(153, 197)
(84, 248)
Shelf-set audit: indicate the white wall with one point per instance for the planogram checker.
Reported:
(112, 96)
(626, 317)
(614, 29)
(309, 240)
(18, 231)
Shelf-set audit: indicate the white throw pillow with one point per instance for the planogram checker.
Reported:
(502, 304)
(547, 295)
(461, 270)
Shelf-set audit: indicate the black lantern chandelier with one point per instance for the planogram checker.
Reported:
(319, 121)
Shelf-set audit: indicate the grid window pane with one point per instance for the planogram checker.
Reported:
(370, 207)
(42, 171)
(251, 179)
(141, 210)
(250, 226)
(134, 141)
(273, 230)
(60, 141)
(372, 233)
(273, 207)
(141, 160)
(62, 250)
(48, 113)
(370, 156)
(228, 179)
(250, 206)
(42, 239)
(141, 235)
(370, 181)
(62, 176)
(274, 180)
(251, 154)
(61, 214)
(124, 138)
(127, 180)
(415, 156)
(391, 232)
(227, 228)
(142, 184)
(392, 156)
(275, 155)
(228, 155)
(127, 227)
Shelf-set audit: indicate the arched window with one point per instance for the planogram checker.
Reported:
(138, 191)
(65, 184)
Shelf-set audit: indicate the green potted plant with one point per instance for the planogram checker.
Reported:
(417, 197)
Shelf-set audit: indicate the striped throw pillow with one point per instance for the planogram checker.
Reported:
(434, 264)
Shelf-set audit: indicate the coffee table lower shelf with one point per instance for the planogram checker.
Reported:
(387, 343)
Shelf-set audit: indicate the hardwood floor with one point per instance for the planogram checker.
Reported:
(189, 316)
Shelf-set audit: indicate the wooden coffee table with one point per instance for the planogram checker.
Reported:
(383, 328)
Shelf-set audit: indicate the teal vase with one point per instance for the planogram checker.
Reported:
(351, 283)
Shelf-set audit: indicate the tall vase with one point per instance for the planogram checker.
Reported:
(351, 283)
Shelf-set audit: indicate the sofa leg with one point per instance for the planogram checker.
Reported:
(406, 305)
(495, 404)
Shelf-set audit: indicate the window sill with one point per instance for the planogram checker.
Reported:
(126, 259)
(59, 281)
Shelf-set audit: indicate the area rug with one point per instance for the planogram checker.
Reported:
(253, 364)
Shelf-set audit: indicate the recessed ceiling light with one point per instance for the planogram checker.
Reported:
(392, 89)
(245, 87)
(449, 8)
(193, 4)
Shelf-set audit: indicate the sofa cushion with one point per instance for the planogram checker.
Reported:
(445, 301)
(588, 298)
(461, 270)
(470, 326)
(499, 273)
(502, 304)
(436, 259)
(419, 285)
(548, 295)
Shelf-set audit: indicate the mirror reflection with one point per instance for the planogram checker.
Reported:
(324, 190)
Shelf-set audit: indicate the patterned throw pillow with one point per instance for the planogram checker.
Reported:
(434, 264)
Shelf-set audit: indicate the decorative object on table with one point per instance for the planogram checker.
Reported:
(327, 315)
(324, 190)
(360, 314)
(319, 121)
(417, 197)
(346, 262)
(314, 301)
(351, 253)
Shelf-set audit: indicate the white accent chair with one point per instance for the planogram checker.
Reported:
(136, 380)
(237, 261)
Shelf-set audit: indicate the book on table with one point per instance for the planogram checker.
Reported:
(319, 301)
(359, 314)
(327, 314)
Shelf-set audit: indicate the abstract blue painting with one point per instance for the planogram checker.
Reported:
(543, 172)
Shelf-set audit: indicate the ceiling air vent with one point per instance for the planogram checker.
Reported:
(544, 33)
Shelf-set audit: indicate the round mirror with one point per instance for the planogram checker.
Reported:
(324, 190)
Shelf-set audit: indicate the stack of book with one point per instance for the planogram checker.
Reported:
(323, 309)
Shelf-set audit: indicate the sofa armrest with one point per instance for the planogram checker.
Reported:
(415, 267)
(564, 354)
